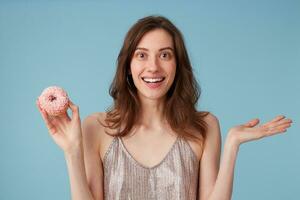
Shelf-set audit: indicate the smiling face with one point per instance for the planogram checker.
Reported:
(153, 65)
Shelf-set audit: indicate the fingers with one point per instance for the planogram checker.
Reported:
(277, 118)
(277, 125)
(283, 122)
(75, 110)
(47, 119)
(252, 123)
(277, 129)
(280, 125)
(64, 117)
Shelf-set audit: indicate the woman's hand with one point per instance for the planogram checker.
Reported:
(249, 131)
(66, 132)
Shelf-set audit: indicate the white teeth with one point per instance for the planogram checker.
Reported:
(153, 80)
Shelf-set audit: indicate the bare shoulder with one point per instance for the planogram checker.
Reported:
(213, 130)
(96, 121)
(211, 120)
(212, 127)
(93, 130)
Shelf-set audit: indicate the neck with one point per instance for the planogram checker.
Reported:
(151, 115)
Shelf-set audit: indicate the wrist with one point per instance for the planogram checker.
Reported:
(232, 142)
(75, 150)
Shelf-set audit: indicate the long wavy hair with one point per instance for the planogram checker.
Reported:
(180, 106)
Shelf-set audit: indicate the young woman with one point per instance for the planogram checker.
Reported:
(152, 143)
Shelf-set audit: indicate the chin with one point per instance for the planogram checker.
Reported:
(154, 96)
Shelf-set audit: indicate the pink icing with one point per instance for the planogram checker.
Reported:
(54, 100)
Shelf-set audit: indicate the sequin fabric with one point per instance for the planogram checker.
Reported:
(174, 178)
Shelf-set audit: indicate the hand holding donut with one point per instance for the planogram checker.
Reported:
(249, 131)
(65, 131)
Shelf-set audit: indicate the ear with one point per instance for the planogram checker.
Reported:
(129, 71)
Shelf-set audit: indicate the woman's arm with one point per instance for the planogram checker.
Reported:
(219, 187)
(85, 167)
(68, 135)
(78, 181)
(223, 186)
(210, 159)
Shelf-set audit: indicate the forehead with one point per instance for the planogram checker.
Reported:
(156, 39)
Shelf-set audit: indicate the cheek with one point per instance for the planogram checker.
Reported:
(172, 72)
(172, 69)
(135, 68)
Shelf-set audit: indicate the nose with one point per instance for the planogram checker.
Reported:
(153, 64)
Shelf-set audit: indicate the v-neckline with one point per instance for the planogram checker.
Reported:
(142, 165)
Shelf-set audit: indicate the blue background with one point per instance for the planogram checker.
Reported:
(245, 55)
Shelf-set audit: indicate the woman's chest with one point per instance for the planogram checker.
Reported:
(149, 151)
(175, 176)
(148, 146)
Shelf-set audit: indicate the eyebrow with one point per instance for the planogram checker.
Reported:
(161, 49)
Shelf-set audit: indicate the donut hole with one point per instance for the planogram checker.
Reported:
(52, 98)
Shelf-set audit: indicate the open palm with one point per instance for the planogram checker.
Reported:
(250, 131)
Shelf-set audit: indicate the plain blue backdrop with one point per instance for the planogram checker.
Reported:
(245, 55)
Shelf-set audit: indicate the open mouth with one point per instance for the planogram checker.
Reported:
(153, 80)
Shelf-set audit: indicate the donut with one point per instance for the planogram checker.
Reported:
(54, 100)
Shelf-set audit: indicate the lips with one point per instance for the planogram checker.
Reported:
(153, 79)
(153, 83)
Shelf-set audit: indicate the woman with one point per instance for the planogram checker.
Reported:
(153, 143)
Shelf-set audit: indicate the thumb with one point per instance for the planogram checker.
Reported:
(252, 123)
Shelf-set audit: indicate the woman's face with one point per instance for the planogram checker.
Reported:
(153, 65)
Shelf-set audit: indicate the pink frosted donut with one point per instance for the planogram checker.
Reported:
(54, 100)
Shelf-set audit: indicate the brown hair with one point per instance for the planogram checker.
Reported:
(182, 95)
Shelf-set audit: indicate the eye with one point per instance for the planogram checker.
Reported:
(140, 55)
(165, 55)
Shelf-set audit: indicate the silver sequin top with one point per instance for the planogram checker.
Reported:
(174, 178)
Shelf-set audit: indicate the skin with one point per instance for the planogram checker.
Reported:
(84, 145)
(153, 59)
